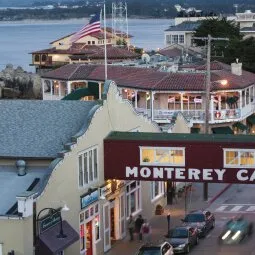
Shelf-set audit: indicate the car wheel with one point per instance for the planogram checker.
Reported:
(187, 249)
(213, 224)
(197, 241)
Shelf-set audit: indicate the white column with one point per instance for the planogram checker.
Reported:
(68, 87)
(182, 102)
(135, 99)
(211, 110)
(219, 104)
(43, 87)
(152, 105)
(99, 91)
(59, 89)
(241, 103)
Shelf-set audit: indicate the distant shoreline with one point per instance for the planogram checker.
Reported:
(67, 21)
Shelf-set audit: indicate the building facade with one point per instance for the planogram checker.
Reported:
(61, 149)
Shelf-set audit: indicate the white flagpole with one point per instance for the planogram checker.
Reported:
(105, 48)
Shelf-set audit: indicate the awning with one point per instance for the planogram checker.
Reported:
(222, 130)
(49, 240)
(240, 126)
(251, 119)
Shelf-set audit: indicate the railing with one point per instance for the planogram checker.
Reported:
(48, 96)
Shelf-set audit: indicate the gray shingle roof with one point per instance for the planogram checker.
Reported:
(12, 185)
(33, 128)
(185, 26)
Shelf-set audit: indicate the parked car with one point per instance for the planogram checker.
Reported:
(164, 248)
(183, 238)
(235, 231)
(202, 220)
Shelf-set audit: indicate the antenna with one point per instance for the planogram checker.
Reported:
(236, 7)
(119, 20)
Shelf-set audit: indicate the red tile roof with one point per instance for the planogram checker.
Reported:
(152, 79)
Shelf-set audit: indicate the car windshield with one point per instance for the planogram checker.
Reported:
(149, 251)
(194, 218)
(179, 233)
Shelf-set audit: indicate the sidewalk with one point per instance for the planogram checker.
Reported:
(194, 200)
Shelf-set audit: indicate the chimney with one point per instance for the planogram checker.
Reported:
(236, 68)
(21, 167)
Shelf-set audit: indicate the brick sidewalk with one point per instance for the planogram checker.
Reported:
(194, 200)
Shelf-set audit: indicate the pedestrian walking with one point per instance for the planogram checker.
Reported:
(146, 232)
(138, 224)
(131, 227)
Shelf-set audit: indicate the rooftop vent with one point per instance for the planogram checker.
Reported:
(21, 167)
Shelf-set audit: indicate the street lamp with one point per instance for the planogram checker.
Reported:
(65, 208)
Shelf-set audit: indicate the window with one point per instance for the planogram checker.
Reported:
(181, 39)
(235, 158)
(44, 58)
(97, 228)
(174, 38)
(89, 42)
(88, 167)
(37, 59)
(168, 38)
(93, 42)
(157, 190)
(133, 190)
(163, 156)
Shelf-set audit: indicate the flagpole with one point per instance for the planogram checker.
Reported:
(105, 48)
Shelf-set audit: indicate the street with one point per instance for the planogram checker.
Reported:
(239, 199)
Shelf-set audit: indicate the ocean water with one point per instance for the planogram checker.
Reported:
(18, 39)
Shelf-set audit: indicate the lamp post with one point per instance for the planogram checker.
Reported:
(54, 211)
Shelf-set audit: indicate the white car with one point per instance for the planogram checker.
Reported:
(164, 248)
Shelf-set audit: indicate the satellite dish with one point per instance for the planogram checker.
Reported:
(146, 58)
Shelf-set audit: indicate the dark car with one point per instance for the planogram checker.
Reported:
(164, 248)
(202, 220)
(183, 238)
(235, 231)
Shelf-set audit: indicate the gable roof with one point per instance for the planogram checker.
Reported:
(40, 129)
(185, 26)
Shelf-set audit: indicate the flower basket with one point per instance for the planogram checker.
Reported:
(159, 210)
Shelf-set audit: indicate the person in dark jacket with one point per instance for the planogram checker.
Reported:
(131, 227)
(138, 224)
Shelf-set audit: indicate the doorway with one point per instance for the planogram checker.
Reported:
(89, 250)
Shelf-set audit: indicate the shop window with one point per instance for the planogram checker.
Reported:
(234, 158)
(88, 167)
(163, 156)
(157, 190)
(37, 59)
(133, 198)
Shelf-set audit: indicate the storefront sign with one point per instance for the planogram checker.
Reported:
(89, 198)
(190, 174)
(49, 221)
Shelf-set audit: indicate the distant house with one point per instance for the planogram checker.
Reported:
(181, 33)
(87, 49)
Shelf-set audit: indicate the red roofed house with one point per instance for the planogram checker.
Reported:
(87, 49)
(161, 95)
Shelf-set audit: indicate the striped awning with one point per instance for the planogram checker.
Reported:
(240, 126)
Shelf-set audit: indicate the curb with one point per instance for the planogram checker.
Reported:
(220, 193)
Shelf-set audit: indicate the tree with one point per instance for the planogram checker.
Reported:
(228, 52)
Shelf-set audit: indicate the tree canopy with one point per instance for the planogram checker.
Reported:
(228, 51)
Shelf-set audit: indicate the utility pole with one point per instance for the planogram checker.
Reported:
(209, 40)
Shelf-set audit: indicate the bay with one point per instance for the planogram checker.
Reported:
(18, 39)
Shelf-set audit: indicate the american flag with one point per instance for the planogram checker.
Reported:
(92, 27)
